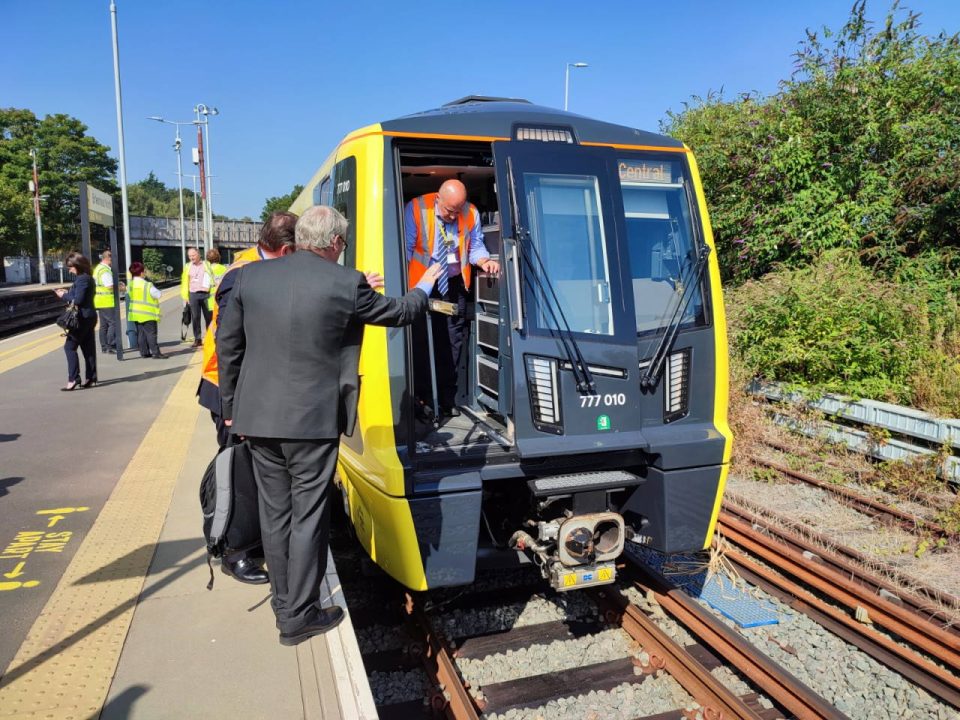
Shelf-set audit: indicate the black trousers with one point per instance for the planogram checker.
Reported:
(85, 339)
(108, 328)
(147, 339)
(293, 480)
(448, 335)
(198, 305)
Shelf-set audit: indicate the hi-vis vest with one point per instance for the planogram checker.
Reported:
(143, 307)
(425, 218)
(102, 295)
(185, 279)
(217, 271)
(209, 369)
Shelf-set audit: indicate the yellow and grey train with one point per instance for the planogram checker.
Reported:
(593, 385)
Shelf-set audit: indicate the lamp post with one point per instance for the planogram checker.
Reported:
(566, 83)
(206, 182)
(35, 187)
(176, 146)
(196, 220)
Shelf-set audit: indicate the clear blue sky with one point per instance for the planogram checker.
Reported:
(291, 78)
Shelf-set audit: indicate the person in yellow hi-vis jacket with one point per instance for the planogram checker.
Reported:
(144, 311)
(218, 270)
(196, 282)
(104, 302)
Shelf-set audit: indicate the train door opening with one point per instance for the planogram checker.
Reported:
(473, 428)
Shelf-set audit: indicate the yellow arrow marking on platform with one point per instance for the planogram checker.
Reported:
(62, 511)
(15, 585)
(17, 571)
(54, 520)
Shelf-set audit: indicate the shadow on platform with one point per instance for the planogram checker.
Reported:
(8, 482)
(129, 566)
(9, 437)
(122, 705)
(140, 377)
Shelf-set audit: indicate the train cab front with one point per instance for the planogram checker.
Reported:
(597, 361)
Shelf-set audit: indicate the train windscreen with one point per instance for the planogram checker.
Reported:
(566, 227)
(660, 240)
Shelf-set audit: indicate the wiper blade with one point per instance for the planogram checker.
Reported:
(541, 281)
(649, 379)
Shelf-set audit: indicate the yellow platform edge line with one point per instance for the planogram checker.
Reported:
(66, 665)
(37, 348)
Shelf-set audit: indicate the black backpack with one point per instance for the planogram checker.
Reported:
(228, 499)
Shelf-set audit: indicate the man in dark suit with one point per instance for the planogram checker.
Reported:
(288, 350)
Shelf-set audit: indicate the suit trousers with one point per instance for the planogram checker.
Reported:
(108, 329)
(198, 306)
(448, 335)
(84, 338)
(147, 339)
(293, 480)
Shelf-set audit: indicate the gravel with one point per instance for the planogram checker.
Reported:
(396, 687)
(482, 621)
(540, 659)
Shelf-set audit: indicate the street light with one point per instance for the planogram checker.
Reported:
(566, 84)
(35, 187)
(176, 146)
(206, 183)
(196, 221)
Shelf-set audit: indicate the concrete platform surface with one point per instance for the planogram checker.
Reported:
(131, 630)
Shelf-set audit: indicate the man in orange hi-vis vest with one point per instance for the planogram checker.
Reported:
(443, 228)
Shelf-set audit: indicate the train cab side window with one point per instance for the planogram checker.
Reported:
(660, 237)
(345, 201)
(323, 193)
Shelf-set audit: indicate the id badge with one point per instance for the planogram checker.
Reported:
(451, 258)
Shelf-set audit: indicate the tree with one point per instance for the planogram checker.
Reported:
(282, 202)
(66, 155)
(151, 197)
(153, 262)
(859, 149)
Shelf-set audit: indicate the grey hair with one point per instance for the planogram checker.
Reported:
(318, 226)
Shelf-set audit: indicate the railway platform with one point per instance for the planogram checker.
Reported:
(103, 570)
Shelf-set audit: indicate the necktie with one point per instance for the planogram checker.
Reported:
(443, 282)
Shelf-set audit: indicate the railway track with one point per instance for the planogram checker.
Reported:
(881, 512)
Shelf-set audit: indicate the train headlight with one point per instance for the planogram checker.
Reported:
(587, 539)
(542, 383)
(676, 391)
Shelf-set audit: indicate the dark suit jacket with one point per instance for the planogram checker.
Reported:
(289, 345)
(81, 293)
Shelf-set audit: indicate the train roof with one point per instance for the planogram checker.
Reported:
(488, 117)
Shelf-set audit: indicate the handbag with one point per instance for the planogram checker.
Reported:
(70, 318)
(185, 319)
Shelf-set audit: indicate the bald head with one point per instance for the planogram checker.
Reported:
(452, 196)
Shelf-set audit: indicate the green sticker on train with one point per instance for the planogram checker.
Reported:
(603, 422)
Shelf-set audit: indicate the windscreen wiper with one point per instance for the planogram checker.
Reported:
(541, 281)
(692, 280)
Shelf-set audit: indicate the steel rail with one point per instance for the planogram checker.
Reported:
(926, 636)
(772, 679)
(868, 506)
(716, 699)
(454, 700)
(904, 661)
(920, 599)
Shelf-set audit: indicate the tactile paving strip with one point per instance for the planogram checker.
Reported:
(64, 668)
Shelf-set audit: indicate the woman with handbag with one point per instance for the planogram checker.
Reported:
(80, 332)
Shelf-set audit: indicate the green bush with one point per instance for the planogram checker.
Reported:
(153, 262)
(838, 326)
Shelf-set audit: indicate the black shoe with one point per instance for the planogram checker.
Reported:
(449, 412)
(198, 343)
(89, 383)
(246, 571)
(160, 357)
(327, 619)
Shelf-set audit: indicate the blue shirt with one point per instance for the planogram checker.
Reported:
(476, 249)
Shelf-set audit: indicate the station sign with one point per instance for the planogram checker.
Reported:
(100, 207)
